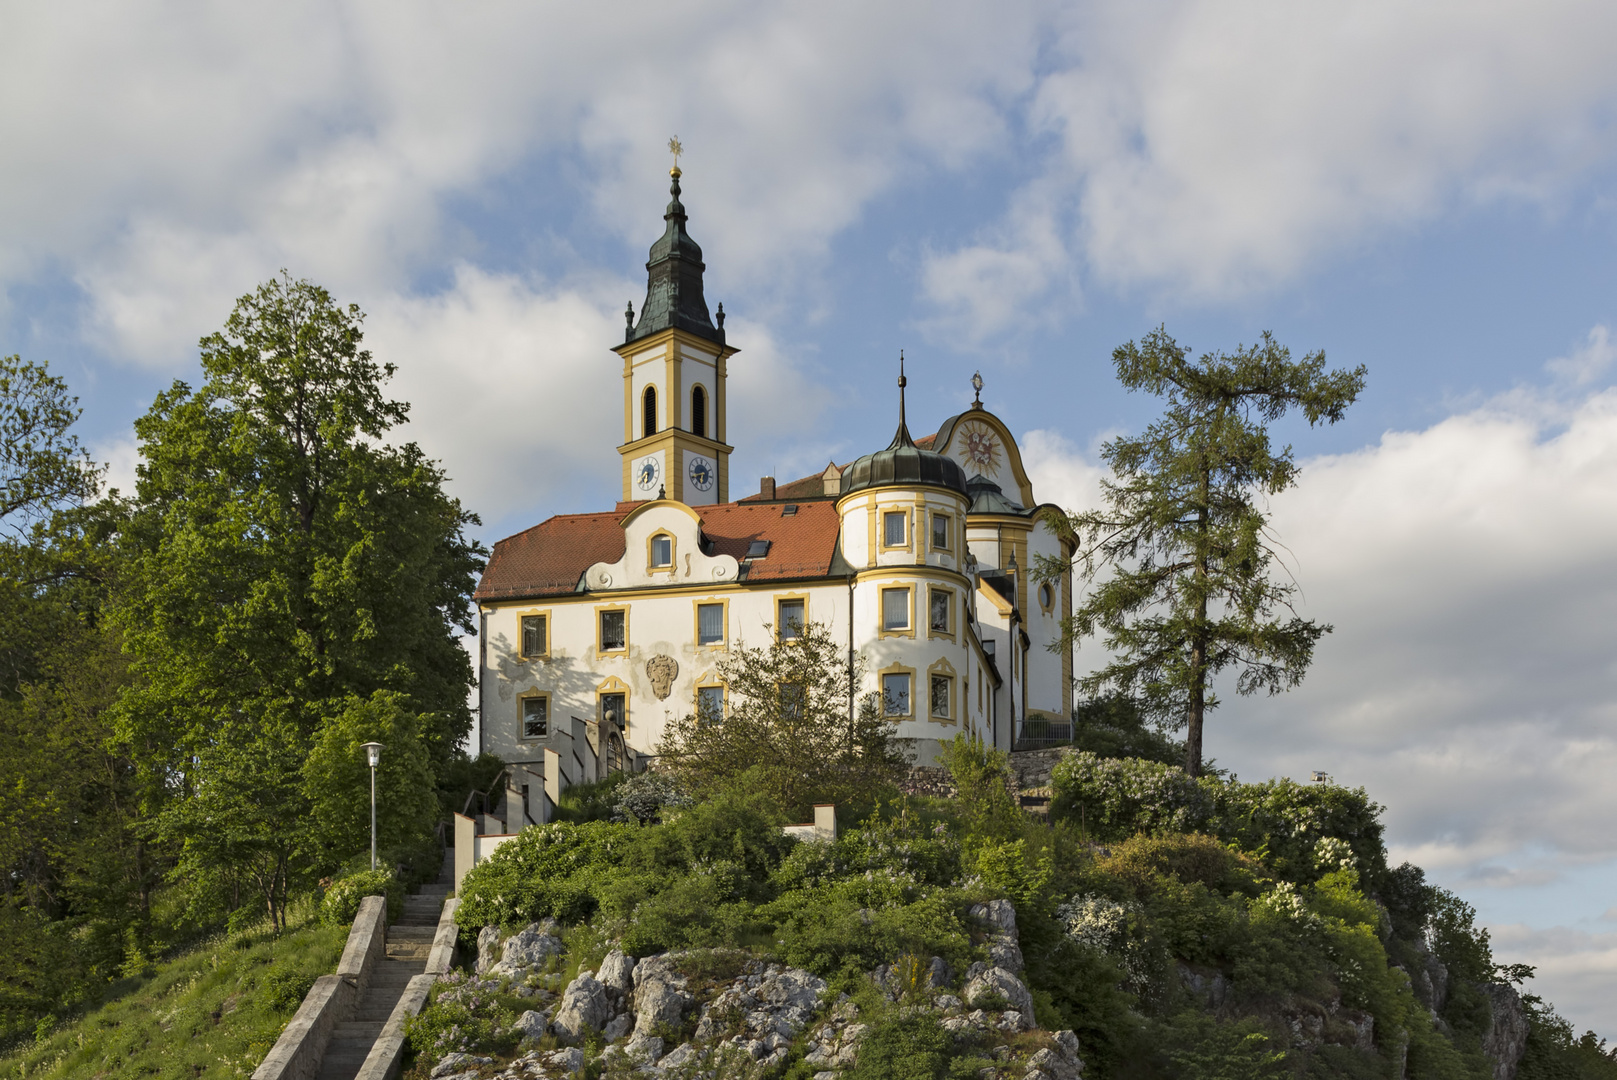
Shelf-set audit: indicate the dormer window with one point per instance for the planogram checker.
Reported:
(662, 551)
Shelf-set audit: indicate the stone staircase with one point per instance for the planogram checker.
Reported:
(408, 942)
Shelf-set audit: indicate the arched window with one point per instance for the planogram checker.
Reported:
(698, 411)
(651, 410)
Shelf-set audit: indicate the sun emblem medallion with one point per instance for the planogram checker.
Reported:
(979, 448)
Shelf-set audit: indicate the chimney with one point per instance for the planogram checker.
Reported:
(766, 487)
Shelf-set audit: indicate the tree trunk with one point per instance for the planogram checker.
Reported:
(1194, 714)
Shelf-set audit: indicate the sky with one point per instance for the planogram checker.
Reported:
(1018, 188)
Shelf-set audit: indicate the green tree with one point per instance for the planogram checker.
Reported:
(788, 727)
(336, 781)
(283, 557)
(1178, 557)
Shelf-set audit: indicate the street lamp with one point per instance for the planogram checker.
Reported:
(373, 751)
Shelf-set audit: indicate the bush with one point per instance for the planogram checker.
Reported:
(341, 902)
(547, 870)
(285, 989)
(904, 1047)
(1195, 857)
(1283, 822)
(1113, 799)
(641, 799)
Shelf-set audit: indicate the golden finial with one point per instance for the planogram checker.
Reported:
(676, 148)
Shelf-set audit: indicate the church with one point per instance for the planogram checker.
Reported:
(599, 629)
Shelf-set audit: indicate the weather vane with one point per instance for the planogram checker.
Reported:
(676, 148)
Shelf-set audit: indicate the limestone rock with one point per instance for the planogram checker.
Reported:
(660, 999)
(1059, 1061)
(998, 914)
(1506, 1037)
(528, 948)
(618, 1027)
(678, 1056)
(997, 981)
(488, 941)
(567, 1062)
(617, 972)
(531, 1024)
(457, 1062)
(584, 1007)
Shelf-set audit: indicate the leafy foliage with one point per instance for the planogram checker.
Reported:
(341, 903)
(789, 727)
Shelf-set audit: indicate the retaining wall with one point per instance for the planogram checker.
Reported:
(386, 1058)
(296, 1054)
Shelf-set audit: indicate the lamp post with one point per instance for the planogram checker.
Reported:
(373, 751)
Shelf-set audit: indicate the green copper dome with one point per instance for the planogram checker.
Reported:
(903, 464)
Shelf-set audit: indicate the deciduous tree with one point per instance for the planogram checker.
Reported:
(1178, 557)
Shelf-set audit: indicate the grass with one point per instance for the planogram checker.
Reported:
(213, 1011)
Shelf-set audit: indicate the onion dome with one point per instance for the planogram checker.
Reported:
(903, 464)
(674, 281)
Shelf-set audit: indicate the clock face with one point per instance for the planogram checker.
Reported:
(700, 473)
(646, 474)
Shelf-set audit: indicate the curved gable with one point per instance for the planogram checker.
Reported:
(984, 446)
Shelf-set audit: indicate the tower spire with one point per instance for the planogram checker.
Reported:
(902, 436)
(674, 273)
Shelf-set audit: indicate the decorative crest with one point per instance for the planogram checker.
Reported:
(977, 385)
(676, 148)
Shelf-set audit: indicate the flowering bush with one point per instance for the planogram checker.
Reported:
(1114, 798)
(548, 870)
(1283, 821)
(1109, 927)
(341, 902)
(642, 797)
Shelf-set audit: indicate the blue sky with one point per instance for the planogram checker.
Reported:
(1017, 189)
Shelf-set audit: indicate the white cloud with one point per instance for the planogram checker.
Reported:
(1207, 149)
(1579, 965)
(1588, 361)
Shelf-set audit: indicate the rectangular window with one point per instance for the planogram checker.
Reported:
(614, 710)
(792, 698)
(662, 551)
(789, 619)
(709, 704)
(709, 624)
(940, 530)
(940, 695)
(535, 717)
(892, 524)
(895, 609)
(895, 693)
(940, 610)
(613, 627)
(533, 635)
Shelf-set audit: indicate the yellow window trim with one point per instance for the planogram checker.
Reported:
(949, 634)
(881, 528)
(881, 614)
(781, 598)
(527, 612)
(946, 670)
(948, 544)
(601, 609)
(696, 621)
(881, 693)
(525, 696)
(673, 552)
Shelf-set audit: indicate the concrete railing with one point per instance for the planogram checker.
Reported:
(386, 1058)
(297, 1053)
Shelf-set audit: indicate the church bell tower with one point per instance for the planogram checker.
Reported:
(674, 363)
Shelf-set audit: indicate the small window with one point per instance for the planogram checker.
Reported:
(940, 695)
(895, 692)
(792, 700)
(649, 408)
(709, 624)
(535, 717)
(893, 529)
(1047, 595)
(613, 625)
(698, 411)
(988, 648)
(940, 530)
(533, 635)
(709, 704)
(940, 603)
(895, 609)
(662, 551)
(614, 710)
(757, 549)
(789, 620)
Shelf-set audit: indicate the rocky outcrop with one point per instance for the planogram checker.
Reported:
(996, 989)
(1506, 1037)
(1004, 948)
(584, 1007)
(660, 997)
(525, 951)
(1058, 1061)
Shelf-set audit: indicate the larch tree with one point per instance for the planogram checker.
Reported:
(1178, 558)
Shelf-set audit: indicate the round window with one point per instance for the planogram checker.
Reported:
(1047, 595)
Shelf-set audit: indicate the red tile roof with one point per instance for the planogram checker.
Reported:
(550, 558)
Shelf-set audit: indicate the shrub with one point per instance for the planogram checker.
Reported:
(1284, 821)
(641, 799)
(1194, 857)
(341, 902)
(851, 926)
(1115, 798)
(548, 870)
(285, 989)
(901, 1046)
(468, 1019)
